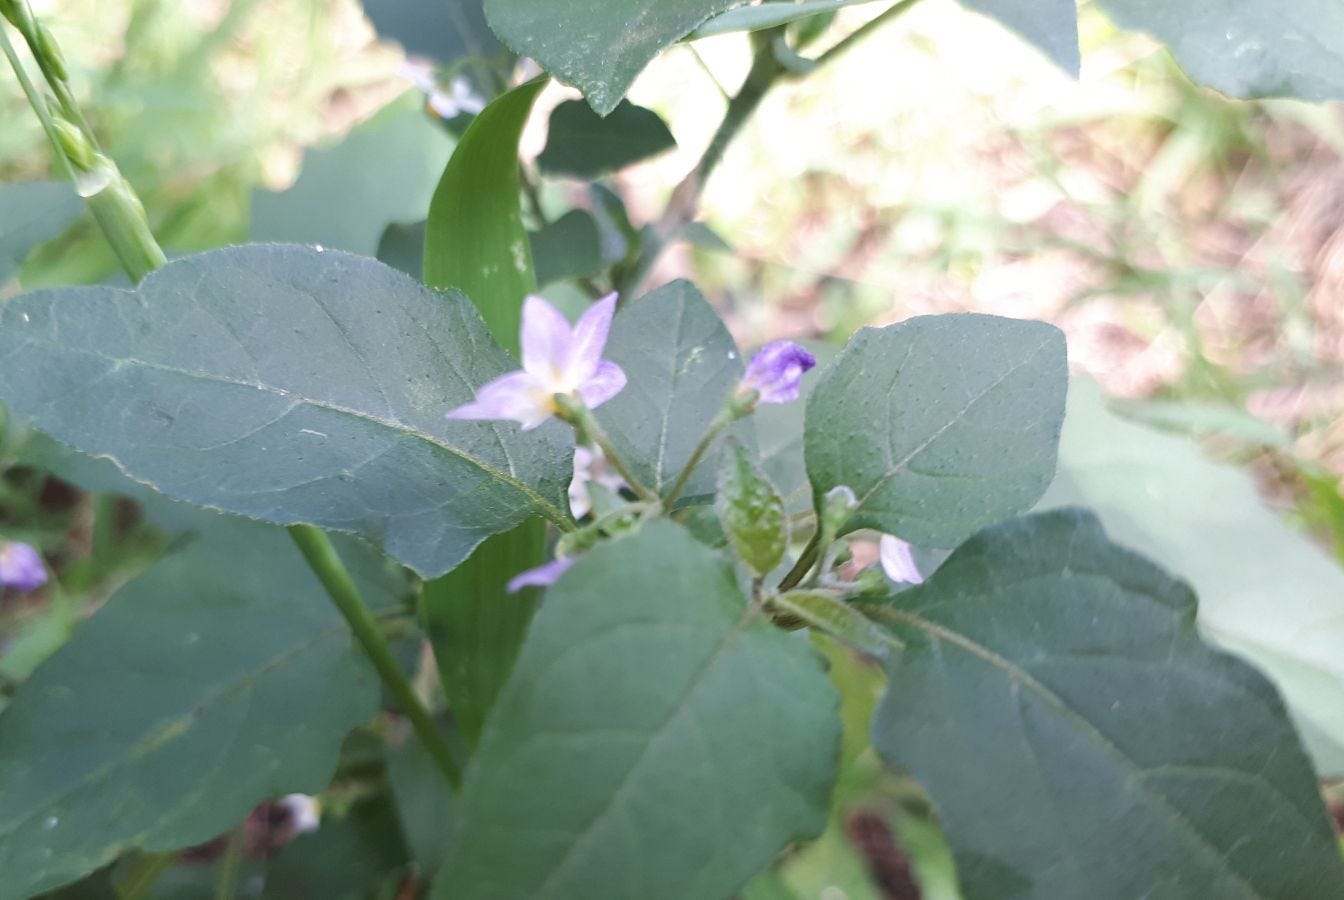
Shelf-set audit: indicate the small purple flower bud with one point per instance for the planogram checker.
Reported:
(21, 567)
(543, 575)
(776, 372)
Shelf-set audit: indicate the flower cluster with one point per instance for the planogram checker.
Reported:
(564, 362)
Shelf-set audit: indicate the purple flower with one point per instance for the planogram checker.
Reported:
(897, 560)
(556, 360)
(21, 567)
(776, 372)
(543, 575)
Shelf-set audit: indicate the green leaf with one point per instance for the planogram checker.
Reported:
(31, 213)
(384, 171)
(426, 804)
(1249, 49)
(569, 247)
(583, 144)
(940, 425)
(219, 678)
(475, 239)
(599, 47)
(1050, 26)
(658, 739)
(680, 363)
(290, 385)
(751, 512)
(1267, 591)
(348, 858)
(769, 15)
(1080, 741)
(402, 247)
(446, 31)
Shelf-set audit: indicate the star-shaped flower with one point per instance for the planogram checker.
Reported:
(556, 360)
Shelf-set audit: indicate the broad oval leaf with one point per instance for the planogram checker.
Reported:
(599, 47)
(680, 363)
(1249, 48)
(32, 212)
(582, 144)
(1267, 592)
(658, 738)
(940, 424)
(1080, 741)
(751, 512)
(384, 171)
(290, 385)
(219, 678)
(1050, 26)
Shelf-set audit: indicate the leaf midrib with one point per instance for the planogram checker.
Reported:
(1020, 676)
(543, 505)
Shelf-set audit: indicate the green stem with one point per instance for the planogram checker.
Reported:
(35, 100)
(143, 874)
(326, 564)
(716, 427)
(582, 418)
(804, 563)
(863, 31)
(230, 864)
(53, 70)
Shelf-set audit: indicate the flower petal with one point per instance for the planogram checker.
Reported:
(590, 338)
(897, 560)
(21, 567)
(606, 382)
(543, 575)
(547, 343)
(519, 396)
(776, 371)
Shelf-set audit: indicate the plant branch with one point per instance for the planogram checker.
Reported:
(863, 31)
(804, 563)
(326, 564)
(716, 427)
(35, 100)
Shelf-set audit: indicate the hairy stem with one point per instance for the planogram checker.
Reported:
(721, 421)
(326, 564)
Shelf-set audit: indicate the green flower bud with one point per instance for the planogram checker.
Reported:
(836, 508)
(75, 145)
(48, 47)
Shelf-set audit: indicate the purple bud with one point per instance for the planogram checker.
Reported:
(776, 372)
(21, 567)
(543, 575)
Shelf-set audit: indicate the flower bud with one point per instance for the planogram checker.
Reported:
(776, 372)
(836, 508)
(51, 51)
(75, 145)
(21, 567)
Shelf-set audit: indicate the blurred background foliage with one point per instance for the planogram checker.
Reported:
(1191, 246)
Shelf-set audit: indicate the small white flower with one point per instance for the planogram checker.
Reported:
(590, 466)
(305, 813)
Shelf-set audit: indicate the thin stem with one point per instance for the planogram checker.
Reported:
(709, 73)
(581, 417)
(230, 864)
(721, 421)
(863, 31)
(326, 564)
(804, 563)
(51, 68)
(35, 100)
(143, 874)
